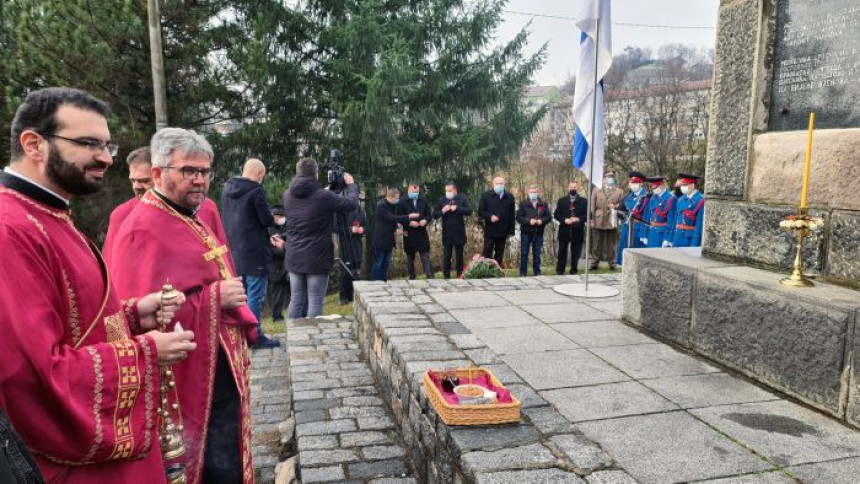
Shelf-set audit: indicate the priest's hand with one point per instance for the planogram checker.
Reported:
(173, 347)
(153, 311)
(232, 293)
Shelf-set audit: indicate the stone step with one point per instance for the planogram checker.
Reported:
(270, 411)
(344, 430)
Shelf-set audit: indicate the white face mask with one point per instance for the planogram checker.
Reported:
(449, 195)
(659, 190)
(685, 189)
(635, 186)
(281, 221)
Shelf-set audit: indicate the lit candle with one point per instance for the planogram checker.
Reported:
(805, 190)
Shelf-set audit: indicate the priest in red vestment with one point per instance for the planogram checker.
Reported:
(77, 385)
(165, 238)
(139, 164)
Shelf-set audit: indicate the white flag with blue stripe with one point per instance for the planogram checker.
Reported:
(595, 53)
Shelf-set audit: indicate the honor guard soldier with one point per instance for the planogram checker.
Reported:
(660, 209)
(689, 214)
(634, 208)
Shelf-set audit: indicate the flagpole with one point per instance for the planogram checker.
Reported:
(591, 150)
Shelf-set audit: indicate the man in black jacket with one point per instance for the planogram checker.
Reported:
(356, 223)
(247, 217)
(497, 208)
(452, 209)
(310, 250)
(415, 237)
(388, 216)
(279, 280)
(571, 211)
(533, 216)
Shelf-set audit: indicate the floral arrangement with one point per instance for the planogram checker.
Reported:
(483, 268)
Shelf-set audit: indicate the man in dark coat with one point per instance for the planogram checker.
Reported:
(533, 216)
(388, 216)
(246, 217)
(571, 211)
(310, 250)
(497, 208)
(415, 237)
(356, 223)
(453, 208)
(279, 280)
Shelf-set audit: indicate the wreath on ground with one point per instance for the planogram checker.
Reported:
(483, 268)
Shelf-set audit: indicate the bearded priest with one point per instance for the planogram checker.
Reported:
(77, 386)
(164, 238)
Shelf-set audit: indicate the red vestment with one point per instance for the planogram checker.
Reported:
(156, 245)
(81, 391)
(207, 214)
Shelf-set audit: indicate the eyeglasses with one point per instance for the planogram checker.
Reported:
(190, 172)
(96, 145)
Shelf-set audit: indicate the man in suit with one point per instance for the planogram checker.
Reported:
(415, 237)
(388, 217)
(533, 216)
(498, 210)
(453, 208)
(571, 212)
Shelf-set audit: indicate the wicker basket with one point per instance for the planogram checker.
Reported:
(500, 413)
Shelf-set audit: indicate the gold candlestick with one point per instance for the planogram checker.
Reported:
(172, 446)
(803, 226)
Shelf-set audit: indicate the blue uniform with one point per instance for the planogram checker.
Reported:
(687, 224)
(634, 202)
(660, 209)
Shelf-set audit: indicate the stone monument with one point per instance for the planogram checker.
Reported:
(776, 61)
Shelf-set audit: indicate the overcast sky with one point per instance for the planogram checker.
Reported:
(562, 36)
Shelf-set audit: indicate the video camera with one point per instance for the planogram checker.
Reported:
(334, 172)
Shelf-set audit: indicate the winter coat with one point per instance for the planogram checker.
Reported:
(310, 217)
(388, 216)
(277, 273)
(416, 239)
(527, 212)
(453, 223)
(356, 218)
(247, 217)
(600, 211)
(503, 207)
(565, 208)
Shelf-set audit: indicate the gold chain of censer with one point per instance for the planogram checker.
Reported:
(172, 445)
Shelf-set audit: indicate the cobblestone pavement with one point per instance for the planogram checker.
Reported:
(270, 408)
(344, 430)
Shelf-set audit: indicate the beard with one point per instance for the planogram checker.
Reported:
(70, 177)
(185, 198)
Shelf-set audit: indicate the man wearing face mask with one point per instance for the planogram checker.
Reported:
(687, 223)
(604, 234)
(453, 208)
(571, 212)
(661, 205)
(497, 208)
(388, 216)
(532, 216)
(633, 230)
(415, 237)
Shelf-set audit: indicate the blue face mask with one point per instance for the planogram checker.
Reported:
(499, 189)
(413, 195)
(610, 182)
(533, 196)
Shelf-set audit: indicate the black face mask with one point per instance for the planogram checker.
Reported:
(572, 193)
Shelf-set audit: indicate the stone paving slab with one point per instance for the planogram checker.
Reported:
(786, 433)
(535, 296)
(524, 339)
(569, 312)
(595, 334)
(653, 361)
(471, 299)
(558, 369)
(344, 430)
(708, 390)
(607, 401)
(270, 405)
(845, 471)
(486, 318)
(671, 447)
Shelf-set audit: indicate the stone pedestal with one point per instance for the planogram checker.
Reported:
(798, 341)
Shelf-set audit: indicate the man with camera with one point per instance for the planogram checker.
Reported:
(415, 237)
(309, 257)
